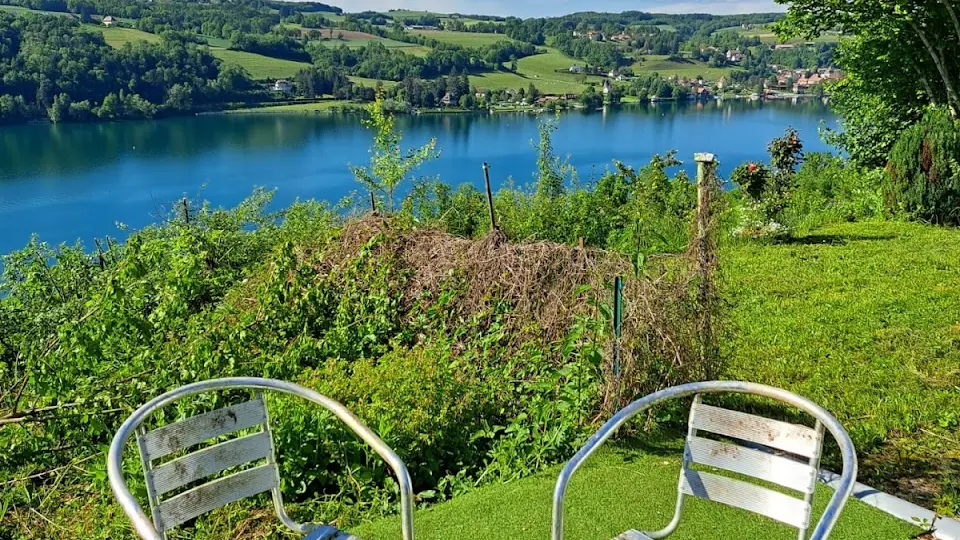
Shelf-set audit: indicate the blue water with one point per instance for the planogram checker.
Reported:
(77, 181)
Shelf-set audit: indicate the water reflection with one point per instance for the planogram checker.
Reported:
(70, 181)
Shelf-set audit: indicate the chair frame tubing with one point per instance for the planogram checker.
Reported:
(144, 525)
(824, 421)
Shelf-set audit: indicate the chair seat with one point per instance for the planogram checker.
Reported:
(633, 535)
(329, 532)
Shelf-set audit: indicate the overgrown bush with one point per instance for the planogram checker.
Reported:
(924, 170)
(831, 189)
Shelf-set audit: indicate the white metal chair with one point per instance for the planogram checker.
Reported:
(780, 453)
(164, 478)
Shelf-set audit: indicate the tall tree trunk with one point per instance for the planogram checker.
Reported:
(952, 98)
(953, 16)
(926, 84)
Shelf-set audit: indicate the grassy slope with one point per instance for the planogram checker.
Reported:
(539, 69)
(259, 66)
(20, 10)
(118, 37)
(615, 491)
(865, 320)
(465, 39)
(767, 36)
(690, 69)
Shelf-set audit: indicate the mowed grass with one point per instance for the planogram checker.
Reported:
(616, 490)
(118, 36)
(541, 70)
(464, 39)
(500, 80)
(865, 320)
(689, 68)
(260, 67)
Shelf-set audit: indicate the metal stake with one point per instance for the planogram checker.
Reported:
(486, 177)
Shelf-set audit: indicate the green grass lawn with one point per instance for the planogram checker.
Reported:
(498, 80)
(117, 36)
(259, 66)
(539, 69)
(690, 68)
(617, 490)
(865, 320)
(465, 39)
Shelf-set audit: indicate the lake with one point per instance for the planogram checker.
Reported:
(77, 181)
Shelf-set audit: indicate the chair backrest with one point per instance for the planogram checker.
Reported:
(780, 453)
(247, 460)
(172, 475)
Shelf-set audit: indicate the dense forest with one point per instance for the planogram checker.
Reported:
(50, 67)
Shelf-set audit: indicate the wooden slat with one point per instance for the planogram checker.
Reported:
(792, 438)
(782, 471)
(194, 430)
(220, 457)
(222, 491)
(753, 498)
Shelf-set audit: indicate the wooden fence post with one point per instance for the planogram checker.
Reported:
(706, 187)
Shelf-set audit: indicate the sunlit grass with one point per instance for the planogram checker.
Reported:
(617, 490)
(259, 66)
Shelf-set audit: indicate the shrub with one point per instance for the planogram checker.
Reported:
(830, 189)
(768, 192)
(923, 180)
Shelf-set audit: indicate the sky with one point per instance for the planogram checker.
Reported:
(543, 8)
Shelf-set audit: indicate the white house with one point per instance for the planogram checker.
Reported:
(283, 86)
(109, 21)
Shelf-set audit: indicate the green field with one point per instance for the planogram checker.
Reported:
(541, 70)
(501, 80)
(118, 37)
(259, 66)
(690, 68)
(18, 9)
(464, 39)
(862, 319)
(767, 36)
(217, 42)
(372, 82)
(616, 490)
(409, 48)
